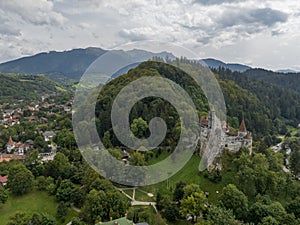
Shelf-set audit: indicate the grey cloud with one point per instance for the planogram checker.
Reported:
(215, 2)
(9, 30)
(265, 16)
(277, 32)
(132, 35)
(236, 23)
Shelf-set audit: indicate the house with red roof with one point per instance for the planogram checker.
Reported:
(3, 180)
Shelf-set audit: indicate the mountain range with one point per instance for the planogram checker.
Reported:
(71, 65)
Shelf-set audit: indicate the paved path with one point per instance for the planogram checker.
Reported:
(134, 201)
(75, 209)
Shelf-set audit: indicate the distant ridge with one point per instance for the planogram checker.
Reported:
(286, 71)
(70, 64)
(213, 63)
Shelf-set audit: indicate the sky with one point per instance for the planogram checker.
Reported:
(257, 33)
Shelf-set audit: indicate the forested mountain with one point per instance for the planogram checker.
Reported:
(265, 107)
(149, 107)
(26, 87)
(289, 81)
(69, 65)
(59, 65)
(280, 102)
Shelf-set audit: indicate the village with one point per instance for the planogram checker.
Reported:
(40, 118)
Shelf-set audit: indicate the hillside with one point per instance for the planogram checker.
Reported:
(289, 81)
(26, 87)
(265, 107)
(149, 107)
(278, 106)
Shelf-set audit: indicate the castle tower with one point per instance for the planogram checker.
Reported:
(242, 132)
(212, 117)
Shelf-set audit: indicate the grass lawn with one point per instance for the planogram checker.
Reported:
(142, 196)
(293, 131)
(39, 202)
(188, 174)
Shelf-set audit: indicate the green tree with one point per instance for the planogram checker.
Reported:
(232, 198)
(269, 220)
(64, 191)
(3, 195)
(295, 159)
(42, 183)
(194, 201)
(137, 159)
(221, 216)
(189, 189)
(169, 210)
(117, 204)
(19, 218)
(32, 161)
(59, 167)
(61, 211)
(178, 192)
(139, 127)
(40, 144)
(294, 207)
(42, 219)
(78, 197)
(77, 221)
(106, 140)
(94, 207)
(20, 179)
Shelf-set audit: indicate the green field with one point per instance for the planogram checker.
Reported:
(189, 174)
(30, 203)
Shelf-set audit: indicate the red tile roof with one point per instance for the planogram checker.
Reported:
(10, 141)
(3, 179)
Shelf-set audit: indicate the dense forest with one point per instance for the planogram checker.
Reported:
(26, 87)
(266, 108)
(289, 81)
(271, 107)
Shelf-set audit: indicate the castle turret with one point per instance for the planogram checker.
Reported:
(212, 117)
(242, 132)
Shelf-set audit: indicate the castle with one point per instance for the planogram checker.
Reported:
(223, 135)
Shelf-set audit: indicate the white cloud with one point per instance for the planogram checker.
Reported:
(36, 12)
(228, 29)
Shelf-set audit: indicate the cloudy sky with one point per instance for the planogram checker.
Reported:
(254, 32)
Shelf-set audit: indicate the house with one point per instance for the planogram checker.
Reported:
(48, 135)
(67, 108)
(9, 112)
(3, 180)
(10, 145)
(17, 148)
(22, 148)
